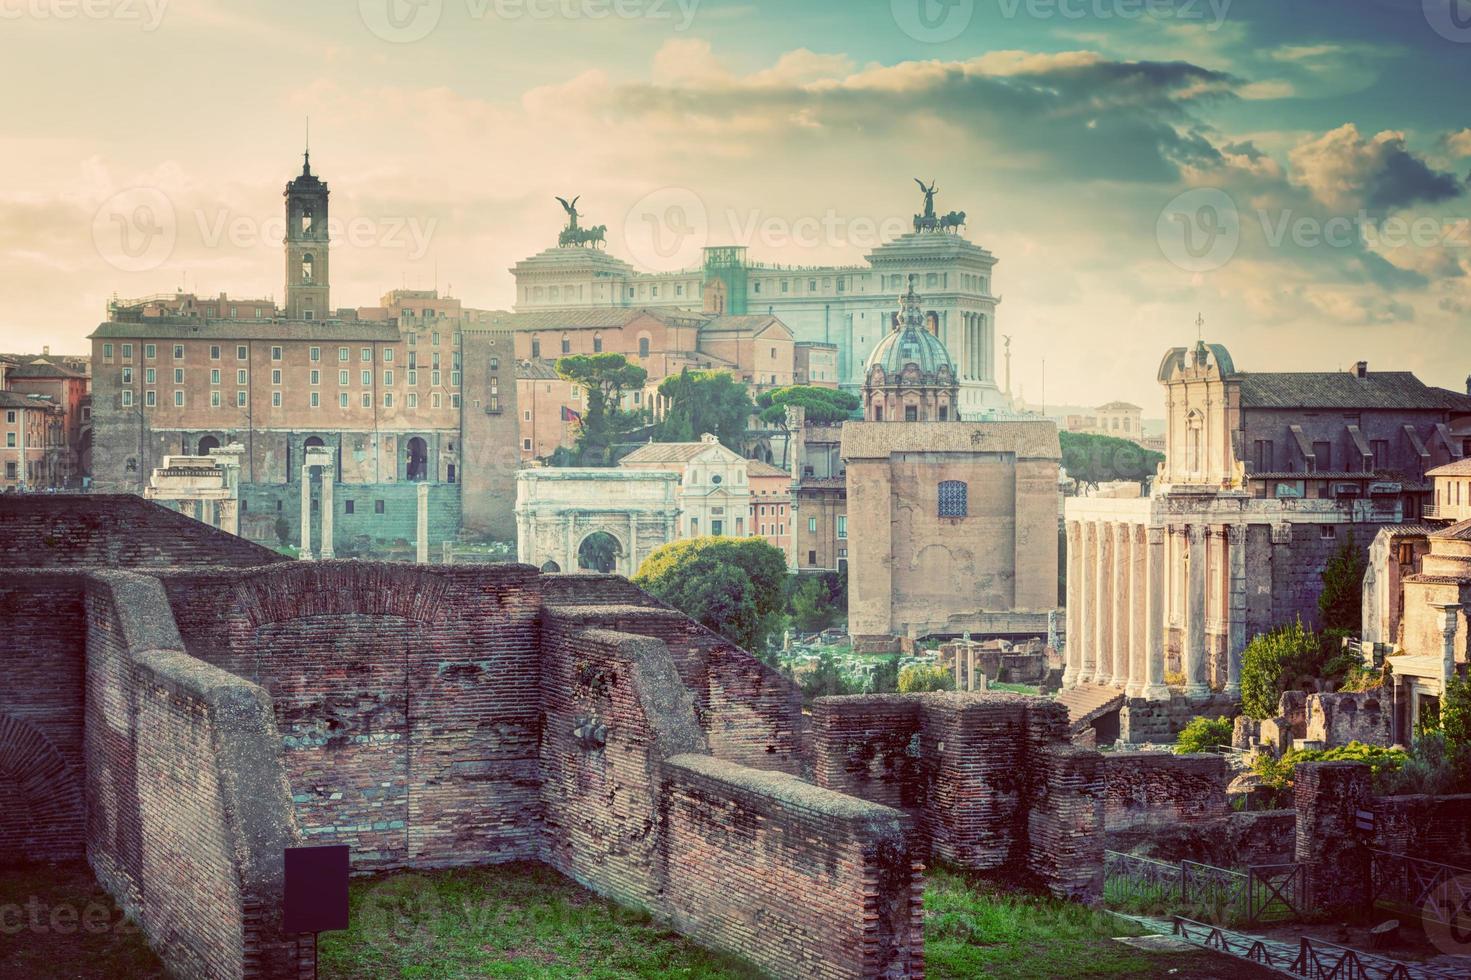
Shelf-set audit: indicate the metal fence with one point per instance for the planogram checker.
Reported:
(1436, 893)
(1202, 891)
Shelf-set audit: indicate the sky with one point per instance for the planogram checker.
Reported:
(1293, 172)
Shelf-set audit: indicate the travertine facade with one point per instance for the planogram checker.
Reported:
(558, 510)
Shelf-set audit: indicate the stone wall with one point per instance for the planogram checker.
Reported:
(1236, 840)
(1142, 720)
(1155, 788)
(1327, 797)
(991, 780)
(1337, 719)
(1437, 828)
(189, 810)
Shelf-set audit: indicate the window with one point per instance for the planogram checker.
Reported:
(812, 558)
(566, 344)
(275, 353)
(911, 413)
(342, 353)
(214, 399)
(342, 377)
(597, 343)
(178, 352)
(434, 378)
(342, 399)
(812, 525)
(436, 398)
(214, 376)
(643, 347)
(214, 352)
(150, 375)
(150, 351)
(388, 399)
(240, 376)
(436, 333)
(367, 354)
(316, 399)
(275, 376)
(388, 378)
(314, 353)
(535, 347)
(178, 399)
(240, 399)
(316, 376)
(150, 398)
(127, 375)
(127, 352)
(347, 506)
(377, 506)
(275, 399)
(367, 400)
(526, 444)
(454, 379)
(242, 353)
(413, 377)
(388, 355)
(178, 376)
(495, 363)
(127, 402)
(953, 502)
(842, 525)
(367, 378)
(1327, 532)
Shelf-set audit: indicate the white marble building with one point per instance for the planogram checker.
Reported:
(559, 511)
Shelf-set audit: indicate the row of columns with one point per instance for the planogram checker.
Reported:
(325, 465)
(1122, 597)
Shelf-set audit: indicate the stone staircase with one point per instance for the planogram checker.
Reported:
(1087, 702)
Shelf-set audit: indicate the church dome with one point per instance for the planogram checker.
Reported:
(911, 342)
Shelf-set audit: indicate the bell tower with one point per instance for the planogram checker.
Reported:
(307, 279)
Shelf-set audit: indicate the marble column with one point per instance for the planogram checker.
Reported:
(1074, 645)
(970, 667)
(1235, 607)
(230, 516)
(1102, 598)
(1138, 609)
(421, 530)
(1195, 665)
(1450, 624)
(1122, 605)
(1154, 662)
(306, 513)
(1087, 572)
(327, 549)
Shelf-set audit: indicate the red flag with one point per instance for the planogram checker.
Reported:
(570, 416)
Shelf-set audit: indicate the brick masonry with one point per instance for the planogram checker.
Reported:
(1154, 788)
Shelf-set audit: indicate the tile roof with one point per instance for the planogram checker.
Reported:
(665, 452)
(184, 329)
(43, 369)
(537, 369)
(1341, 389)
(606, 317)
(1461, 467)
(757, 467)
(1456, 532)
(14, 399)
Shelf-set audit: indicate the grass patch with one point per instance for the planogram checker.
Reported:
(515, 920)
(1015, 688)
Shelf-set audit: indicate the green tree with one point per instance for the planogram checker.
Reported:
(885, 676)
(1290, 658)
(925, 677)
(816, 601)
(826, 679)
(1341, 601)
(604, 378)
(822, 405)
(701, 402)
(734, 586)
(1093, 459)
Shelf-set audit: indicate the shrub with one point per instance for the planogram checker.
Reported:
(827, 679)
(1341, 601)
(1277, 773)
(1290, 658)
(1204, 735)
(925, 677)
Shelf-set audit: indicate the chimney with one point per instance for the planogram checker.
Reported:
(1361, 369)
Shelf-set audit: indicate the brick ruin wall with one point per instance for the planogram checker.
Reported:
(188, 810)
(1159, 788)
(232, 712)
(991, 781)
(1337, 719)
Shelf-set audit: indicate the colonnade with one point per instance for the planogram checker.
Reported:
(1131, 583)
(319, 458)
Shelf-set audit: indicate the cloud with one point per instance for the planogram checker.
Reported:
(1344, 170)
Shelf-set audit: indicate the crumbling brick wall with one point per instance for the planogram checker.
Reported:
(1152, 788)
(189, 811)
(406, 697)
(41, 700)
(1434, 827)
(1340, 718)
(1327, 797)
(991, 780)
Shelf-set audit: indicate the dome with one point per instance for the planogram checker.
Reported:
(910, 342)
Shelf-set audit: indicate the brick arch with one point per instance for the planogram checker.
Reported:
(339, 589)
(41, 808)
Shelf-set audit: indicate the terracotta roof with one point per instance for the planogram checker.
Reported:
(1456, 532)
(1341, 389)
(1461, 467)
(666, 452)
(757, 467)
(43, 369)
(14, 399)
(537, 369)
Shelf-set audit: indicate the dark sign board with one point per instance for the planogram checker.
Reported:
(316, 889)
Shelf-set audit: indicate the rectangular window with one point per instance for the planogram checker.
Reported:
(240, 399)
(388, 399)
(127, 375)
(316, 399)
(342, 353)
(178, 376)
(367, 354)
(150, 398)
(367, 378)
(454, 381)
(388, 378)
(214, 376)
(347, 506)
(214, 399)
(842, 526)
(127, 401)
(275, 376)
(242, 352)
(436, 338)
(275, 353)
(388, 355)
(954, 499)
(434, 378)
(367, 400)
(178, 399)
(342, 399)
(812, 524)
(150, 351)
(127, 352)
(275, 399)
(316, 376)
(413, 400)
(314, 353)
(178, 352)
(436, 401)
(413, 377)
(377, 506)
(214, 352)
(342, 377)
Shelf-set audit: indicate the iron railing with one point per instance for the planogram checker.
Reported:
(1436, 893)
(1267, 893)
(1277, 892)
(1312, 959)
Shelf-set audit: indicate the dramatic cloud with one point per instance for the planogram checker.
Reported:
(1345, 170)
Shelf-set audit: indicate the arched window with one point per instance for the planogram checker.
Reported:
(535, 347)
(308, 265)
(597, 343)
(953, 498)
(566, 344)
(643, 347)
